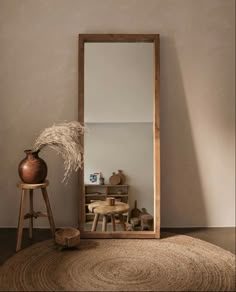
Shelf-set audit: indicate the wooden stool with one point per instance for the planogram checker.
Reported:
(31, 187)
(102, 208)
(146, 222)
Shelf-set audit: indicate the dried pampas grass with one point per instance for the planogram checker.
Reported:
(64, 138)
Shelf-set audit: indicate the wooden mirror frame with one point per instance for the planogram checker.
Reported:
(151, 38)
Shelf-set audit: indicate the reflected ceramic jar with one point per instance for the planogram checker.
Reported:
(32, 169)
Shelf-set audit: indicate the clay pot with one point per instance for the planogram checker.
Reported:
(32, 169)
(122, 177)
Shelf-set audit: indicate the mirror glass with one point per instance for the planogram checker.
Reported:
(118, 142)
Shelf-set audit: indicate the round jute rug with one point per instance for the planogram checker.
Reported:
(176, 263)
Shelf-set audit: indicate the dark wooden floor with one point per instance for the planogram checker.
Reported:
(223, 237)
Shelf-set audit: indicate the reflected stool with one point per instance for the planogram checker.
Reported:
(102, 208)
(31, 187)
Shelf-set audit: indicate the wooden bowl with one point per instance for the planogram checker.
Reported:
(67, 237)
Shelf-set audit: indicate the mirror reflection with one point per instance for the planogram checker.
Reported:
(118, 143)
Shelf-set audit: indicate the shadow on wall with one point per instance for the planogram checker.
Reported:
(182, 202)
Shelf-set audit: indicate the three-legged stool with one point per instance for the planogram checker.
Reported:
(102, 208)
(31, 187)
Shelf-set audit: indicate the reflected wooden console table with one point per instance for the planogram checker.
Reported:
(102, 208)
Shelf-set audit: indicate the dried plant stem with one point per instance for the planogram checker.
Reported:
(65, 139)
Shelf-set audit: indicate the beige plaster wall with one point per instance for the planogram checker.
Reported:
(39, 86)
(119, 82)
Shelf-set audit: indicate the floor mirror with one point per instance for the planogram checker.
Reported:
(119, 185)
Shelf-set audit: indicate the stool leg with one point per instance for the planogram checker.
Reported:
(113, 220)
(31, 212)
(104, 223)
(21, 219)
(122, 222)
(49, 210)
(95, 222)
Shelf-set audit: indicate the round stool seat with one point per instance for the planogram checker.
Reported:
(103, 208)
(67, 237)
(26, 186)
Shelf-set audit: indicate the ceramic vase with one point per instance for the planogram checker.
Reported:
(32, 169)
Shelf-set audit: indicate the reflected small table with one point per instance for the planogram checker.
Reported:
(102, 208)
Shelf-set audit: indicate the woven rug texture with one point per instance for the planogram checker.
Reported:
(175, 263)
